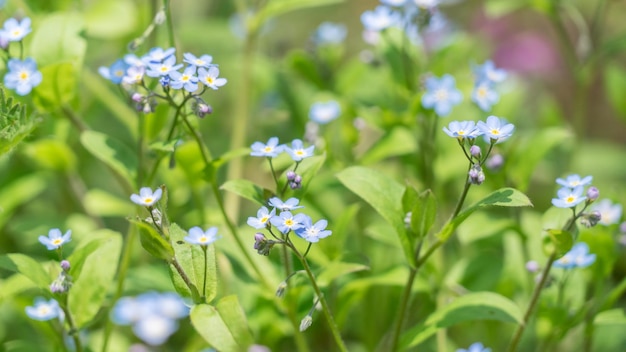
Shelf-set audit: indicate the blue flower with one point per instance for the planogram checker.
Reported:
(330, 33)
(210, 77)
(313, 232)
(134, 75)
(441, 94)
(324, 112)
(270, 150)
(15, 31)
(463, 129)
(263, 215)
(568, 197)
(573, 181)
(157, 55)
(160, 69)
(186, 80)
(484, 96)
(114, 73)
(475, 347)
(609, 213)
(382, 17)
(155, 329)
(577, 257)
(488, 72)
(202, 238)
(55, 238)
(44, 310)
(297, 150)
(286, 222)
(202, 61)
(396, 3)
(146, 197)
(289, 204)
(22, 76)
(496, 129)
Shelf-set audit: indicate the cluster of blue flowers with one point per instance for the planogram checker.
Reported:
(297, 151)
(577, 257)
(282, 219)
(153, 316)
(572, 191)
(198, 74)
(487, 76)
(23, 75)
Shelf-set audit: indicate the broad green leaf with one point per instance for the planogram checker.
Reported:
(235, 318)
(399, 141)
(473, 306)
(384, 195)
(103, 203)
(504, 197)
(113, 153)
(57, 88)
(304, 65)
(89, 291)
(610, 317)
(80, 255)
(58, 38)
(14, 285)
(337, 269)
(51, 154)
(423, 213)
(100, 14)
(167, 147)
(558, 240)
(615, 86)
(153, 242)
(247, 189)
(209, 324)
(20, 192)
(191, 260)
(26, 266)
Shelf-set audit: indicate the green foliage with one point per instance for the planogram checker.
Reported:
(112, 153)
(223, 326)
(30, 268)
(153, 242)
(15, 125)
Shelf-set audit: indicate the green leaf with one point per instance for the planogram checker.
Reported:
(280, 7)
(26, 266)
(558, 240)
(153, 242)
(473, 306)
(191, 260)
(247, 189)
(57, 88)
(399, 141)
(14, 123)
(384, 195)
(304, 65)
(235, 318)
(338, 269)
(102, 203)
(610, 317)
(615, 86)
(504, 197)
(58, 38)
(19, 192)
(100, 15)
(423, 212)
(14, 285)
(90, 289)
(81, 253)
(309, 167)
(51, 154)
(113, 153)
(208, 323)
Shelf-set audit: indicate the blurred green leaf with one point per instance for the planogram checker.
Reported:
(384, 195)
(113, 153)
(58, 38)
(615, 86)
(280, 7)
(399, 141)
(209, 324)
(337, 269)
(51, 154)
(470, 307)
(559, 241)
(81, 253)
(89, 291)
(235, 318)
(57, 88)
(153, 242)
(19, 192)
(101, 14)
(247, 189)
(14, 285)
(103, 203)
(304, 65)
(610, 317)
(26, 266)
(423, 213)
(191, 260)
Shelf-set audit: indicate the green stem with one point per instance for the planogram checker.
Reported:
(533, 302)
(183, 275)
(273, 172)
(73, 330)
(140, 148)
(170, 24)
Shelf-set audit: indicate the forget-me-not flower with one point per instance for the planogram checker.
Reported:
(568, 197)
(15, 31)
(577, 257)
(441, 94)
(313, 232)
(157, 55)
(573, 181)
(380, 18)
(55, 238)
(609, 213)
(324, 112)
(186, 80)
(270, 150)
(160, 69)
(463, 129)
(202, 238)
(23, 76)
(286, 221)
(44, 310)
(116, 72)
(484, 95)
(146, 197)
(202, 61)
(330, 33)
(289, 204)
(496, 129)
(488, 72)
(263, 215)
(475, 347)
(297, 150)
(210, 77)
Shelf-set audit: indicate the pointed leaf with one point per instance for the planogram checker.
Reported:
(235, 318)
(153, 242)
(209, 324)
(473, 306)
(338, 269)
(112, 152)
(26, 266)
(246, 189)
(423, 213)
(558, 240)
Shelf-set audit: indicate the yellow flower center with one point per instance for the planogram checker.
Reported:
(147, 200)
(17, 32)
(495, 132)
(300, 152)
(570, 199)
(264, 219)
(289, 222)
(210, 80)
(164, 69)
(203, 239)
(482, 92)
(268, 149)
(23, 75)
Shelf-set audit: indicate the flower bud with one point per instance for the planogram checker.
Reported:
(62, 283)
(494, 162)
(65, 265)
(306, 323)
(590, 219)
(137, 97)
(291, 175)
(622, 227)
(4, 42)
(160, 17)
(532, 266)
(297, 179)
(476, 175)
(280, 291)
(475, 151)
(201, 109)
(261, 244)
(592, 194)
